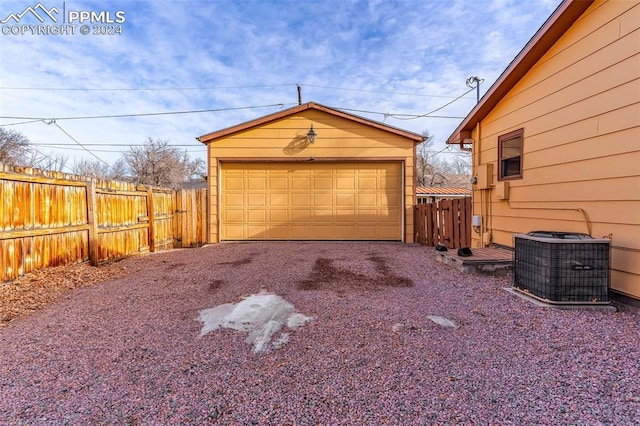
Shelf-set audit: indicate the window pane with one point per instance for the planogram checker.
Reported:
(511, 167)
(511, 148)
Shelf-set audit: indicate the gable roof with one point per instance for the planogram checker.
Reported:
(304, 107)
(558, 23)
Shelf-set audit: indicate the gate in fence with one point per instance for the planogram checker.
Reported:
(446, 222)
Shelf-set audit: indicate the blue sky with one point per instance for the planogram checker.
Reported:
(386, 57)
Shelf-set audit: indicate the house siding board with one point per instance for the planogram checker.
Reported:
(622, 165)
(284, 139)
(579, 107)
(544, 151)
(545, 89)
(599, 213)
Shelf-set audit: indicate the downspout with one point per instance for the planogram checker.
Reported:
(483, 192)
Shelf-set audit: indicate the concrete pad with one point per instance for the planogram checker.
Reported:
(567, 307)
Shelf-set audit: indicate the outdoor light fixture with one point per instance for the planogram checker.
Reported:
(311, 135)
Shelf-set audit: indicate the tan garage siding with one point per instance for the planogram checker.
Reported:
(345, 143)
(311, 201)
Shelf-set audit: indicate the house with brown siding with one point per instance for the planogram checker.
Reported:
(556, 140)
(268, 180)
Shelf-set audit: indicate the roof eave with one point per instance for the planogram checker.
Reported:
(209, 137)
(558, 23)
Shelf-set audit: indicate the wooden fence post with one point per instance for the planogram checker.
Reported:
(92, 221)
(152, 221)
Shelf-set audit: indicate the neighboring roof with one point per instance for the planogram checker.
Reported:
(558, 23)
(297, 109)
(434, 191)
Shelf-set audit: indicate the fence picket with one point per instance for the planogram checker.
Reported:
(50, 219)
(446, 222)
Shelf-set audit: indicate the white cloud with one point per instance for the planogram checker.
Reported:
(253, 53)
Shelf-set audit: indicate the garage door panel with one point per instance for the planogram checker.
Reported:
(299, 232)
(301, 183)
(278, 200)
(322, 200)
(368, 183)
(278, 232)
(301, 200)
(256, 183)
(278, 216)
(278, 183)
(345, 215)
(253, 232)
(367, 200)
(233, 216)
(256, 200)
(257, 216)
(311, 201)
(301, 215)
(234, 199)
(233, 182)
(235, 232)
(345, 183)
(320, 183)
(388, 182)
(345, 200)
(320, 215)
(388, 232)
(389, 200)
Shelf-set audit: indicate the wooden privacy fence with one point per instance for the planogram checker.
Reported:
(51, 219)
(446, 222)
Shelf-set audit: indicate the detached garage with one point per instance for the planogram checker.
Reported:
(311, 173)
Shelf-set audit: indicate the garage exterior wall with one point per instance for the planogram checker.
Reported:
(578, 108)
(339, 139)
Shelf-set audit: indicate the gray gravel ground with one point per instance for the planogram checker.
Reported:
(127, 351)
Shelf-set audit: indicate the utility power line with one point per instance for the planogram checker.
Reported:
(149, 114)
(178, 89)
(76, 141)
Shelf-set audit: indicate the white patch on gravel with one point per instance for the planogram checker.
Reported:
(442, 321)
(262, 316)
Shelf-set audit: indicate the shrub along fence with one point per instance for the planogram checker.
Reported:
(51, 219)
(446, 222)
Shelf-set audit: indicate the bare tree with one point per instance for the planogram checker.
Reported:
(14, 147)
(433, 170)
(101, 170)
(159, 164)
(52, 162)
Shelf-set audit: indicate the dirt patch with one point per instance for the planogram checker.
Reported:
(343, 275)
(37, 289)
(239, 262)
(216, 284)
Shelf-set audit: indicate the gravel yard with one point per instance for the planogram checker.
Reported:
(129, 351)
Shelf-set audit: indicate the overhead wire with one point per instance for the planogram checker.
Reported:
(21, 122)
(149, 114)
(139, 89)
(254, 86)
(377, 91)
(398, 116)
(76, 141)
